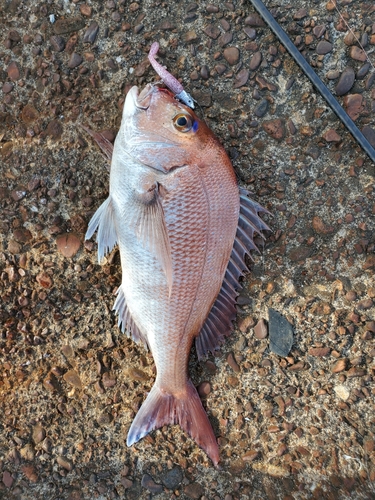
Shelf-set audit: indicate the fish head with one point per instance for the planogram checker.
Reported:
(159, 131)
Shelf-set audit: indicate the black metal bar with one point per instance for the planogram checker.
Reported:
(313, 77)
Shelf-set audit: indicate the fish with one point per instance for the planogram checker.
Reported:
(183, 228)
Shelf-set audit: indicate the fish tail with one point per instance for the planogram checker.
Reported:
(161, 408)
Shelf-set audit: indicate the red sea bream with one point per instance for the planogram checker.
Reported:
(183, 228)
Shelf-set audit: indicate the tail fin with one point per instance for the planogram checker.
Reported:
(161, 408)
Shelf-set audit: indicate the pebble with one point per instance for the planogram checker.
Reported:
(68, 24)
(22, 235)
(30, 473)
(212, 31)
(331, 136)
(231, 55)
(172, 478)
(353, 105)
(323, 47)
(280, 332)
(104, 418)
(29, 114)
(7, 479)
(54, 129)
(319, 351)
(332, 74)
(260, 330)
(275, 128)
(342, 392)
(357, 54)
(75, 60)
(346, 81)
(44, 280)
(72, 378)
(363, 70)
(241, 78)
(7, 87)
(319, 30)
(150, 485)
(261, 108)
(91, 33)
(224, 39)
(57, 42)
(369, 133)
(233, 363)
(300, 14)
(204, 389)
(38, 434)
(194, 490)
(255, 61)
(65, 463)
(255, 20)
(68, 244)
(13, 71)
(250, 456)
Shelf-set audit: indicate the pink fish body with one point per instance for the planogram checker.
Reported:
(183, 229)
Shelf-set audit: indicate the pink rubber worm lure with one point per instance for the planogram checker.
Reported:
(170, 81)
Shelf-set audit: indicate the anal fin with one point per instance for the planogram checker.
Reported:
(218, 324)
(125, 319)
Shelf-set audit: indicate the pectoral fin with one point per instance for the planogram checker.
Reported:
(151, 229)
(103, 221)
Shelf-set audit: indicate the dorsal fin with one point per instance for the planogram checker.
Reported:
(218, 324)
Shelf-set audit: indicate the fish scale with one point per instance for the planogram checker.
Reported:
(183, 230)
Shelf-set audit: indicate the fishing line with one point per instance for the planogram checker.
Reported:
(314, 78)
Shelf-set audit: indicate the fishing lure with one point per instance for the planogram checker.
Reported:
(170, 81)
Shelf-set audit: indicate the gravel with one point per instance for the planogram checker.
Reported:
(299, 425)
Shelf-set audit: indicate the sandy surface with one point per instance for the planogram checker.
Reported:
(298, 427)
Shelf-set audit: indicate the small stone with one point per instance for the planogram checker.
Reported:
(30, 473)
(331, 136)
(64, 463)
(91, 33)
(104, 418)
(224, 39)
(108, 380)
(38, 434)
(127, 483)
(319, 351)
(320, 227)
(246, 323)
(72, 378)
(212, 31)
(194, 490)
(353, 105)
(339, 366)
(275, 128)
(250, 455)
(323, 47)
(300, 14)
(28, 452)
(54, 129)
(29, 114)
(18, 194)
(255, 61)
(136, 374)
(68, 244)
(75, 60)
(357, 54)
(261, 108)
(241, 78)
(255, 20)
(260, 330)
(68, 25)
(44, 280)
(172, 478)
(13, 71)
(14, 247)
(7, 479)
(204, 389)
(57, 42)
(233, 363)
(231, 55)
(363, 70)
(369, 133)
(190, 36)
(220, 69)
(211, 8)
(7, 87)
(333, 74)
(319, 30)
(22, 235)
(346, 81)
(150, 485)
(250, 32)
(280, 332)
(342, 392)
(85, 10)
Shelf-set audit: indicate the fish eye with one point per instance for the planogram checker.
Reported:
(182, 122)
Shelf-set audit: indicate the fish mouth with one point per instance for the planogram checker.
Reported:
(142, 100)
